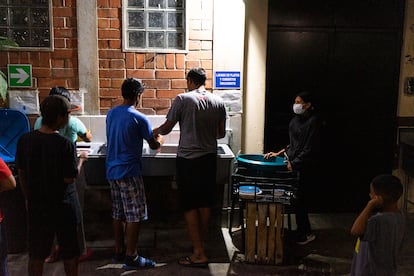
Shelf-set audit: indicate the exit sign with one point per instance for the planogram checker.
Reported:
(20, 75)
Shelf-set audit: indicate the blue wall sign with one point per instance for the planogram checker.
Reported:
(227, 79)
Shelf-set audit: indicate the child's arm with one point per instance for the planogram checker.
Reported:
(360, 224)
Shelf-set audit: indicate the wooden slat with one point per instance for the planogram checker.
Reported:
(250, 232)
(262, 232)
(272, 233)
(279, 231)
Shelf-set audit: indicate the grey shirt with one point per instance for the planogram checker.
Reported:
(199, 113)
(380, 245)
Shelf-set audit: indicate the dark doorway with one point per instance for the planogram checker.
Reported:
(347, 53)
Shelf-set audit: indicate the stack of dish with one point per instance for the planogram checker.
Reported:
(249, 192)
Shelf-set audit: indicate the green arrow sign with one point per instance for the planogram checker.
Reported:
(20, 75)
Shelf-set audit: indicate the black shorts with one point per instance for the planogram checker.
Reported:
(196, 180)
(44, 225)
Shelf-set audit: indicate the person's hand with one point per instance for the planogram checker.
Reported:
(376, 201)
(160, 139)
(269, 155)
(289, 166)
(83, 154)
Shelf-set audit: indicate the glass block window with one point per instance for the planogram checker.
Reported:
(154, 25)
(27, 22)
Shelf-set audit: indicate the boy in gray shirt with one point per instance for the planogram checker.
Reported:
(380, 229)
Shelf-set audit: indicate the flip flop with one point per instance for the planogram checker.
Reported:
(186, 261)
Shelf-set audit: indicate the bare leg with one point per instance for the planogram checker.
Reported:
(35, 267)
(132, 231)
(71, 266)
(118, 228)
(194, 224)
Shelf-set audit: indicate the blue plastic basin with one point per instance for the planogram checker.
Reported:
(259, 163)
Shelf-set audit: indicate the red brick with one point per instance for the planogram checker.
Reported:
(45, 58)
(72, 43)
(42, 72)
(64, 53)
(103, 34)
(115, 23)
(64, 33)
(115, 44)
(160, 84)
(49, 82)
(117, 63)
(104, 63)
(58, 63)
(192, 64)
(115, 3)
(103, 44)
(140, 61)
(57, 3)
(160, 61)
(102, 3)
(141, 74)
(104, 83)
(149, 60)
(170, 61)
(60, 43)
(24, 57)
(209, 84)
(64, 11)
(72, 22)
(147, 111)
(103, 23)
(198, 55)
(171, 94)
(34, 58)
(207, 64)
(71, 63)
(178, 84)
(104, 73)
(70, 3)
(109, 13)
(117, 54)
(130, 60)
(14, 57)
(180, 61)
(170, 74)
(116, 83)
(63, 73)
(73, 82)
(58, 22)
(156, 103)
(149, 93)
(162, 111)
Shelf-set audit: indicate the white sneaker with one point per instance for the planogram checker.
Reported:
(306, 239)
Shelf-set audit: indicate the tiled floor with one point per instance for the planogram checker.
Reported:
(165, 242)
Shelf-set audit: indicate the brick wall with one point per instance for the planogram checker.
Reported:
(162, 74)
(59, 67)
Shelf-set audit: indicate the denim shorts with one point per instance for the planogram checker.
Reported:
(128, 199)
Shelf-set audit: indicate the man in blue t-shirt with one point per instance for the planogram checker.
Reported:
(126, 128)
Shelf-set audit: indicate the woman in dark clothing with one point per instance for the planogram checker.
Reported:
(302, 154)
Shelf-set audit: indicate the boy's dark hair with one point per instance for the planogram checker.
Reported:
(52, 107)
(60, 90)
(197, 75)
(131, 88)
(388, 186)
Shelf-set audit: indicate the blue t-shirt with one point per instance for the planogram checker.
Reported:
(125, 130)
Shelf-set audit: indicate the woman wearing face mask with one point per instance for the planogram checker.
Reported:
(302, 153)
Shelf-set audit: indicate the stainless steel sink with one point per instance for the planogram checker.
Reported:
(154, 162)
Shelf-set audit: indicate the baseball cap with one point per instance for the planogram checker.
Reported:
(53, 106)
(62, 91)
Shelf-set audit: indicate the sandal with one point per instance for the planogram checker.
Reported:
(186, 261)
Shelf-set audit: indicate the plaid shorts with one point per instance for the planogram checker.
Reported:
(128, 199)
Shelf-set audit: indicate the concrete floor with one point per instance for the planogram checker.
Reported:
(166, 241)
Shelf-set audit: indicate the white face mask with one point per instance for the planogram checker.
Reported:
(298, 109)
